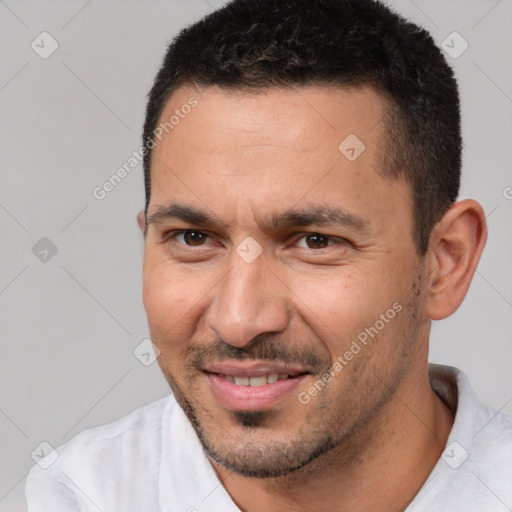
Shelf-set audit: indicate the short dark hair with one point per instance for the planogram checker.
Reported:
(256, 44)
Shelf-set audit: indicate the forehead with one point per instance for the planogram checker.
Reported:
(272, 148)
(297, 115)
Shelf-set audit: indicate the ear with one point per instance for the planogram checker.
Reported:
(141, 221)
(455, 247)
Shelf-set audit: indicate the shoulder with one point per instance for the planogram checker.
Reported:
(98, 456)
(142, 425)
(494, 431)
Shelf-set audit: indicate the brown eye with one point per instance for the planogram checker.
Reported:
(192, 238)
(316, 241)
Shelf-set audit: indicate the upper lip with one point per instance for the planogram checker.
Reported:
(253, 368)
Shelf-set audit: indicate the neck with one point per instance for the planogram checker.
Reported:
(382, 466)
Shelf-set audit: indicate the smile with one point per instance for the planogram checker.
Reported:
(261, 380)
(252, 386)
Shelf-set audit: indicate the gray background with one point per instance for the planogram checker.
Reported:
(70, 325)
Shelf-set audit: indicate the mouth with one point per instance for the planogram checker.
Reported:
(252, 386)
(255, 382)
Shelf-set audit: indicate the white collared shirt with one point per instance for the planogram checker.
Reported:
(152, 460)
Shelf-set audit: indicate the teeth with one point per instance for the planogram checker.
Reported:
(257, 381)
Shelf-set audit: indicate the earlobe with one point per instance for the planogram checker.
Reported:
(456, 244)
(141, 221)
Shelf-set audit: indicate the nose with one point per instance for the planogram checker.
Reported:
(250, 300)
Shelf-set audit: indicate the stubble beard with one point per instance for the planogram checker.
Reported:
(333, 429)
(341, 425)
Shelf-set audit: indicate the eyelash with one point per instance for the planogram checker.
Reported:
(171, 235)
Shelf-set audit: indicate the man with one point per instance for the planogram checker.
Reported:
(302, 165)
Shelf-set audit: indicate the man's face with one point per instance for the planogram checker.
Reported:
(319, 313)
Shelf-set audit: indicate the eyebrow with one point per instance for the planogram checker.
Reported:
(187, 214)
(320, 215)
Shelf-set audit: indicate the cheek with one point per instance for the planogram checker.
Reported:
(338, 308)
(169, 300)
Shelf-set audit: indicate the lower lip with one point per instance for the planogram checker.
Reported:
(251, 398)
